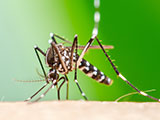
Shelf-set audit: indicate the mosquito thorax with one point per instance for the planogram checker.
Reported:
(53, 60)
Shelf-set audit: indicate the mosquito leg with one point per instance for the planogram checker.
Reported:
(85, 49)
(37, 92)
(122, 77)
(36, 50)
(72, 52)
(97, 47)
(53, 38)
(59, 55)
(58, 91)
(52, 86)
(67, 91)
(55, 35)
(75, 75)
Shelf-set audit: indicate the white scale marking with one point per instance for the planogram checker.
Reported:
(109, 80)
(60, 66)
(87, 68)
(143, 93)
(28, 99)
(50, 41)
(102, 78)
(96, 3)
(35, 46)
(76, 81)
(102, 73)
(95, 68)
(87, 63)
(42, 96)
(83, 94)
(95, 73)
(95, 31)
(121, 76)
(93, 36)
(97, 17)
(67, 62)
(65, 53)
(63, 58)
(74, 58)
(54, 81)
(51, 34)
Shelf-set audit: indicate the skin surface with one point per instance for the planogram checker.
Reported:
(79, 110)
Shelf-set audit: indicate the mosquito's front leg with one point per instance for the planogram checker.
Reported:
(60, 56)
(36, 50)
(30, 98)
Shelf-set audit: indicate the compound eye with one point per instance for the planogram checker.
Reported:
(50, 57)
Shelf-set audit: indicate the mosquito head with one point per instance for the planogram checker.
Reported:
(53, 74)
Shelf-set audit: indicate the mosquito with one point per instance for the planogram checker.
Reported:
(64, 59)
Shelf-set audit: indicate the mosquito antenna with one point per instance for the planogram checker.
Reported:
(132, 93)
(29, 81)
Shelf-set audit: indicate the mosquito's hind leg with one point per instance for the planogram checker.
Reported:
(121, 76)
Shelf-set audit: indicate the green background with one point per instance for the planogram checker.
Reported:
(131, 26)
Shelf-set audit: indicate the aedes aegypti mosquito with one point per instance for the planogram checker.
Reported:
(62, 59)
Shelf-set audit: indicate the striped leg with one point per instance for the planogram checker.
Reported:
(85, 49)
(122, 77)
(30, 98)
(59, 55)
(75, 76)
(36, 50)
(52, 86)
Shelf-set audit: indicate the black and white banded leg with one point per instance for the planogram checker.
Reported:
(76, 64)
(52, 86)
(30, 98)
(114, 67)
(122, 77)
(36, 48)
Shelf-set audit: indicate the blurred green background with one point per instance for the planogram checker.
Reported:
(132, 27)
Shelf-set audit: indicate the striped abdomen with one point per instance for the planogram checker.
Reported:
(93, 72)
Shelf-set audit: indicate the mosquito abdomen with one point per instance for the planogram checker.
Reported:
(94, 73)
